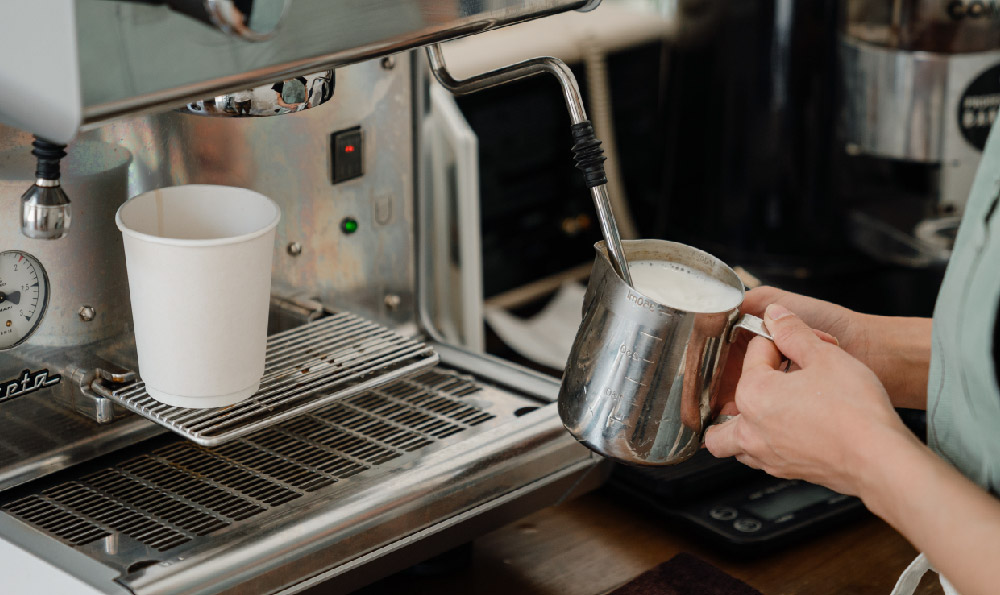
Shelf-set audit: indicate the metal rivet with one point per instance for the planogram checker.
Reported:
(87, 313)
(388, 62)
(295, 248)
(392, 301)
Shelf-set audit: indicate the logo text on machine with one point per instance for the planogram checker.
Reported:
(975, 9)
(28, 382)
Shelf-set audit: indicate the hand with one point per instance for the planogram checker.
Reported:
(830, 322)
(820, 422)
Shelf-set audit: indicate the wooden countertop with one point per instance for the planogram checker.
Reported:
(595, 544)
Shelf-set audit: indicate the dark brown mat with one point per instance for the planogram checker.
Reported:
(685, 574)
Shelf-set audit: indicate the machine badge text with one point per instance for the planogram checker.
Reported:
(27, 383)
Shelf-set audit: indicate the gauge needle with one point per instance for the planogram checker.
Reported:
(10, 297)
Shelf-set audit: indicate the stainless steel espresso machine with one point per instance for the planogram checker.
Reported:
(375, 445)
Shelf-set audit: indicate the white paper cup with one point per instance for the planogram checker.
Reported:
(199, 272)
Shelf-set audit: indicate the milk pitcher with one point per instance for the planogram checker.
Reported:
(641, 379)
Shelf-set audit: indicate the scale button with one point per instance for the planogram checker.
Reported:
(722, 513)
(747, 525)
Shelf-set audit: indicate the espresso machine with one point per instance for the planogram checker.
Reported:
(377, 444)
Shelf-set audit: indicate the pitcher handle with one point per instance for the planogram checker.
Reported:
(751, 323)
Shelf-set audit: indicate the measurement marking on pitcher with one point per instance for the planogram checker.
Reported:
(631, 354)
(635, 381)
(650, 336)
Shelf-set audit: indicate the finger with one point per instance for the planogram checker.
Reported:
(720, 440)
(761, 353)
(792, 336)
(826, 337)
(758, 298)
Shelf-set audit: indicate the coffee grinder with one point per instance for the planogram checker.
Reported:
(921, 89)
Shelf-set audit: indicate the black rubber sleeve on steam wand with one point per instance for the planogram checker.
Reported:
(48, 154)
(588, 154)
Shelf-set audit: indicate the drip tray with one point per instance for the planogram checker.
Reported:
(307, 367)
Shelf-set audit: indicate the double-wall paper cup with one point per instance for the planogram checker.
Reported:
(199, 273)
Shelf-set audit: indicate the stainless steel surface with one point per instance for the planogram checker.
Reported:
(46, 212)
(894, 102)
(508, 74)
(288, 159)
(285, 158)
(753, 324)
(307, 367)
(641, 378)
(87, 266)
(67, 422)
(316, 496)
(43, 435)
(315, 89)
(577, 112)
(125, 69)
(906, 105)
(609, 230)
(259, 23)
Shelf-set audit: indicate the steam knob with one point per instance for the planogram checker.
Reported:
(45, 208)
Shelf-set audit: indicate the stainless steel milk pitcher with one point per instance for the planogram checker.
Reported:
(641, 379)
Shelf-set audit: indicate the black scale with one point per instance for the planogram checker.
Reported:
(732, 507)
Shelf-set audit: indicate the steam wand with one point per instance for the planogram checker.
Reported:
(586, 148)
(45, 208)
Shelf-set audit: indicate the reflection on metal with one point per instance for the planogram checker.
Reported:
(124, 70)
(641, 379)
(259, 21)
(894, 104)
(283, 97)
(288, 160)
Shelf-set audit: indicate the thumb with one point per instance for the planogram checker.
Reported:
(794, 338)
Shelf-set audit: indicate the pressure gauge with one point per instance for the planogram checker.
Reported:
(24, 294)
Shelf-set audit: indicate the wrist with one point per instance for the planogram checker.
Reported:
(898, 350)
(886, 468)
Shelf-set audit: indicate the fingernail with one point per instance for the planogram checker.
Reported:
(776, 311)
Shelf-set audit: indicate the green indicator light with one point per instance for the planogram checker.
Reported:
(349, 225)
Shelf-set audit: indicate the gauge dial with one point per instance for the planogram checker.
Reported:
(24, 294)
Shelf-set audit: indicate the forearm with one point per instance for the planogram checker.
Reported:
(944, 515)
(898, 350)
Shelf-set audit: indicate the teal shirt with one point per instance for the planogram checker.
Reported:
(963, 398)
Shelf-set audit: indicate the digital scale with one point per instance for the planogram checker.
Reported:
(740, 510)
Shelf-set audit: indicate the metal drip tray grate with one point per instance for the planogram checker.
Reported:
(307, 367)
(177, 493)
